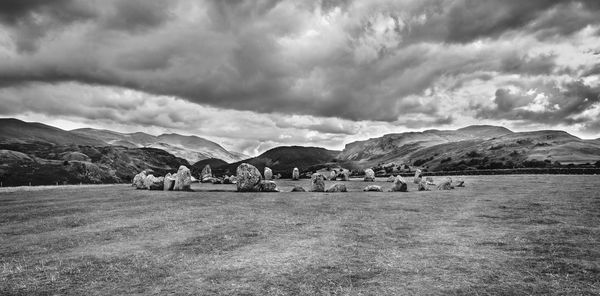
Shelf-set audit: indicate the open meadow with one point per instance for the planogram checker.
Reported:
(500, 235)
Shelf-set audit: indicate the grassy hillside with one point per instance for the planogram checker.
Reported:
(41, 163)
(17, 131)
(283, 159)
(501, 235)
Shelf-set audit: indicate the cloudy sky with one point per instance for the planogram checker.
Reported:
(252, 75)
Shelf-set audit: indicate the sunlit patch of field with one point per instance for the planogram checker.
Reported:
(501, 235)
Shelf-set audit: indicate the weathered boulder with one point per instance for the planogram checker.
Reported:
(369, 175)
(268, 186)
(317, 182)
(183, 179)
(227, 180)
(337, 188)
(429, 180)
(345, 175)
(138, 180)
(422, 186)
(373, 188)
(418, 176)
(206, 174)
(446, 184)
(268, 174)
(248, 178)
(295, 174)
(298, 189)
(169, 182)
(154, 183)
(400, 185)
(391, 179)
(333, 175)
(458, 183)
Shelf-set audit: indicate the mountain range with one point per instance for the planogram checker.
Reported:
(42, 154)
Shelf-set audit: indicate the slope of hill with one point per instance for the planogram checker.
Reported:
(213, 162)
(44, 164)
(475, 147)
(283, 159)
(392, 147)
(17, 131)
(192, 148)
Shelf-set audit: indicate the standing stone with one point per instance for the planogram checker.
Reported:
(369, 175)
(337, 188)
(138, 180)
(374, 188)
(400, 185)
(183, 179)
(418, 176)
(345, 174)
(248, 178)
(169, 182)
(317, 183)
(268, 174)
(446, 184)
(333, 175)
(227, 180)
(154, 183)
(206, 174)
(458, 183)
(391, 179)
(422, 186)
(429, 180)
(295, 174)
(268, 186)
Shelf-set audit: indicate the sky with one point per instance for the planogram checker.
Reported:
(252, 75)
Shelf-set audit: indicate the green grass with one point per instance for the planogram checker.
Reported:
(501, 235)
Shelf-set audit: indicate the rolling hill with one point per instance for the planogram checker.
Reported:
(283, 159)
(192, 148)
(17, 131)
(473, 147)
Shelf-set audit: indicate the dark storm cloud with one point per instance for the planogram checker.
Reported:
(557, 104)
(352, 60)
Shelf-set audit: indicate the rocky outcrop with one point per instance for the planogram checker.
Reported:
(400, 185)
(295, 174)
(369, 175)
(337, 188)
(183, 179)
(373, 188)
(317, 182)
(248, 178)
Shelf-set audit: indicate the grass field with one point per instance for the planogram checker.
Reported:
(501, 235)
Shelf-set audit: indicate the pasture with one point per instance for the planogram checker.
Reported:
(500, 235)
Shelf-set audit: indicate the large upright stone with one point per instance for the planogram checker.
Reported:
(206, 174)
(333, 175)
(168, 182)
(418, 176)
(345, 175)
(138, 180)
(268, 174)
(295, 174)
(248, 178)
(317, 182)
(400, 185)
(154, 183)
(183, 179)
(369, 175)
